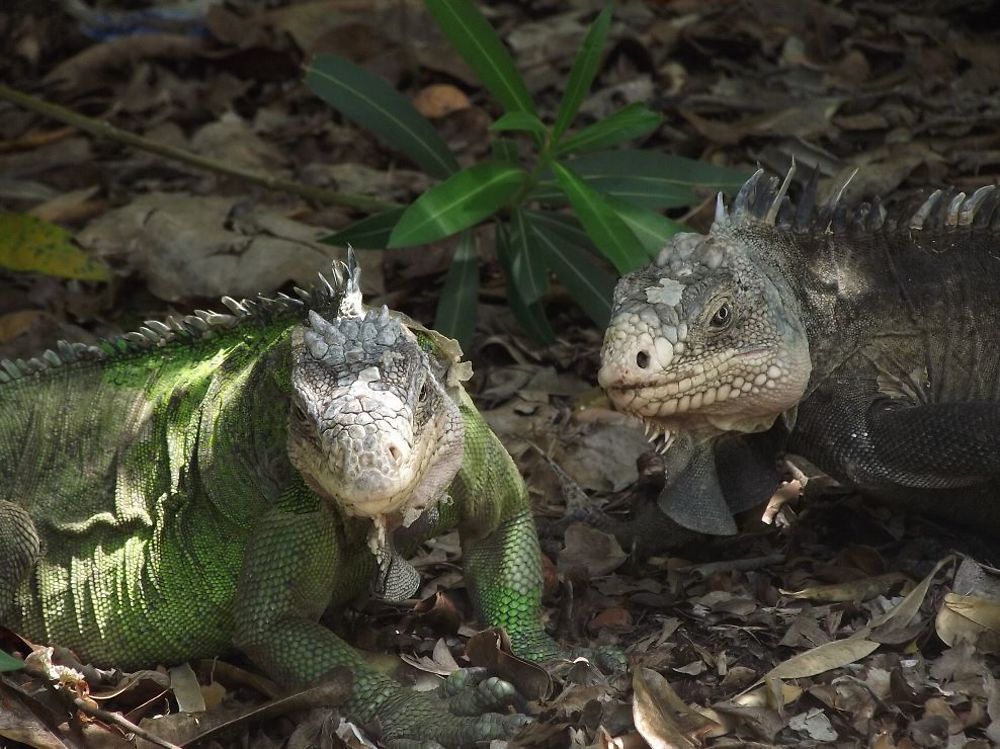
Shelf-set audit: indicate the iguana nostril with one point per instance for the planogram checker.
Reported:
(642, 359)
(395, 453)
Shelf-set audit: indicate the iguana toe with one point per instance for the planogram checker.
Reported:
(491, 726)
(441, 729)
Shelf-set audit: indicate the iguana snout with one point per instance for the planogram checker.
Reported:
(701, 339)
(372, 426)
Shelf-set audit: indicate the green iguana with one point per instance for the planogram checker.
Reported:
(218, 481)
(858, 338)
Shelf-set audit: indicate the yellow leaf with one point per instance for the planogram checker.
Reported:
(30, 244)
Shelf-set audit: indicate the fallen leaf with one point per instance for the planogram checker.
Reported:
(589, 550)
(662, 717)
(186, 690)
(970, 618)
(30, 244)
(440, 99)
(822, 658)
(815, 724)
(615, 619)
(190, 246)
(859, 590)
(491, 650)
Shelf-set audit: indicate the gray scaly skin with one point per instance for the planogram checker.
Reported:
(864, 341)
(218, 481)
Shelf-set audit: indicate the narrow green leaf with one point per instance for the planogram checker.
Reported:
(647, 178)
(611, 235)
(649, 227)
(582, 74)
(457, 307)
(370, 233)
(505, 149)
(627, 123)
(371, 102)
(32, 245)
(590, 285)
(478, 44)
(531, 316)
(457, 203)
(525, 121)
(527, 266)
(9, 662)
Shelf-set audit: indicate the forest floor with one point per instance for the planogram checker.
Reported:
(835, 626)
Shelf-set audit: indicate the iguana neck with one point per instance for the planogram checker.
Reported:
(828, 281)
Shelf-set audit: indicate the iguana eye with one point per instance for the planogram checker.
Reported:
(299, 413)
(425, 393)
(722, 317)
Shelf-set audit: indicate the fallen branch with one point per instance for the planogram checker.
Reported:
(104, 129)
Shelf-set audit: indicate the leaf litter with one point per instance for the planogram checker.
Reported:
(843, 624)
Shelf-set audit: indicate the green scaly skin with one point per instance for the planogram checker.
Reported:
(149, 513)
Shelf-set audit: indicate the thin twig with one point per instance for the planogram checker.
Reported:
(119, 720)
(104, 129)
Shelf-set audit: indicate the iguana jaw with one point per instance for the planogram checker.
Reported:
(703, 341)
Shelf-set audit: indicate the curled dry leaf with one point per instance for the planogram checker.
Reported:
(491, 650)
(971, 618)
(662, 717)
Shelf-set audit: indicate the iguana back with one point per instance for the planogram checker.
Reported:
(116, 452)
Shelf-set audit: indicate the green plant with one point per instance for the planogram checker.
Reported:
(615, 195)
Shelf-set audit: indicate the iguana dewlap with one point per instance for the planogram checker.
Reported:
(864, 341)
(218, 481)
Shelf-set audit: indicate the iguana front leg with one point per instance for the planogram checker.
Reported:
(294, 565)
(503, 568)
(874, 441)
(19, 549)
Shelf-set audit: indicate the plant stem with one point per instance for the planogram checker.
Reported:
(104, 129)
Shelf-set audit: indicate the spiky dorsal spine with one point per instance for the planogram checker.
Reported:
(323, 296)
(763, 200)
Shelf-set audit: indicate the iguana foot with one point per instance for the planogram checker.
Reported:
(472, 691)
(415, 720)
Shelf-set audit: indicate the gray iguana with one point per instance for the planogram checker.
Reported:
(218, 481)
(860, 339)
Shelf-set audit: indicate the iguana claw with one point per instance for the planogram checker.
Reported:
(609, 660)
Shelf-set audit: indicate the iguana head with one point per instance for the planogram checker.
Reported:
(372, 426)
(705, 339)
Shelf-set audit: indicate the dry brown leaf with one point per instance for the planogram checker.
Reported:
(190, 246)
(440, 99)
(590, 551)
(903, 613)
(655, 724)
(859, 590)
(662, 717)
(19, 724)
(970, 618)
(491, 650)
(822, 658)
